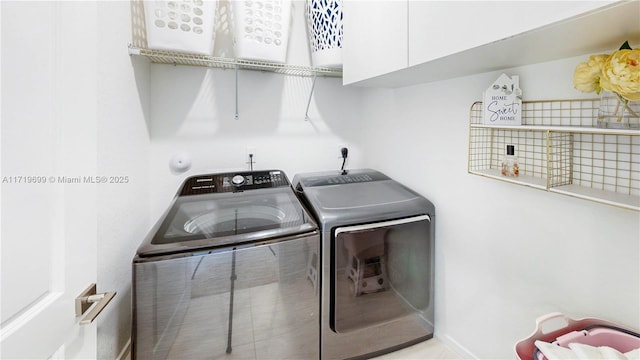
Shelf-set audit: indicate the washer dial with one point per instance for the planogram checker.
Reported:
(238, 180)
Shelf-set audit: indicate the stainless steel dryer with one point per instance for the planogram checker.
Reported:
(225, 272)
(376, 262)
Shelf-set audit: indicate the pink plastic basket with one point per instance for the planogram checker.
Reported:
(588, 331)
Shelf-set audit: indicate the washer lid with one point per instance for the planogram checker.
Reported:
(223, 219)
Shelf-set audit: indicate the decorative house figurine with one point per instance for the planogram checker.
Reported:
(502, 103)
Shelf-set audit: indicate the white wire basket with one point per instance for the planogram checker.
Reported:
(261, 29)
(181, 25)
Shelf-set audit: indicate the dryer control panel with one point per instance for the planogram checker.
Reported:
(233, 182)
(339, 179)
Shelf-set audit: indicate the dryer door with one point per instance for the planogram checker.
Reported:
(380, 272)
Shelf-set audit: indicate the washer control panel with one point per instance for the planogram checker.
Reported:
(234, 182)
(238, 180)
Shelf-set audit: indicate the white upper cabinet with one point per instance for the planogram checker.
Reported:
(441, 28)
(375, 38)
(438, 40)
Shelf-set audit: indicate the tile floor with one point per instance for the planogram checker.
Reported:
(430, 349)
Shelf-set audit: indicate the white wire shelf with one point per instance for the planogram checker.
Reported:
(176, 58)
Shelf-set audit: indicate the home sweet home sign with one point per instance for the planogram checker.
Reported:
(502, 103)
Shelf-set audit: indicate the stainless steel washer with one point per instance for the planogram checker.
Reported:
(376, 262)
(226, 271)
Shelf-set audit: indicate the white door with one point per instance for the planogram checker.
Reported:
(48, 142)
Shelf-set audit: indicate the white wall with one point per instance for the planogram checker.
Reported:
(505, 254)
(192, 111)
(122, 150)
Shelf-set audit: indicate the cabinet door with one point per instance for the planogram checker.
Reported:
(375, 38)
(441, 28)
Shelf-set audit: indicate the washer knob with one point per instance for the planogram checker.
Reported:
(238, 180)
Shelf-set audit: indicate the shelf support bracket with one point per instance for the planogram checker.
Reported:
(313, 85)
(237, 115)
(133, 50)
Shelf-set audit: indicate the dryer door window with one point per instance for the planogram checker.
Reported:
(380, 272)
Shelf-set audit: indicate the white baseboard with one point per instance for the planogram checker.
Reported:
(455, 346)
